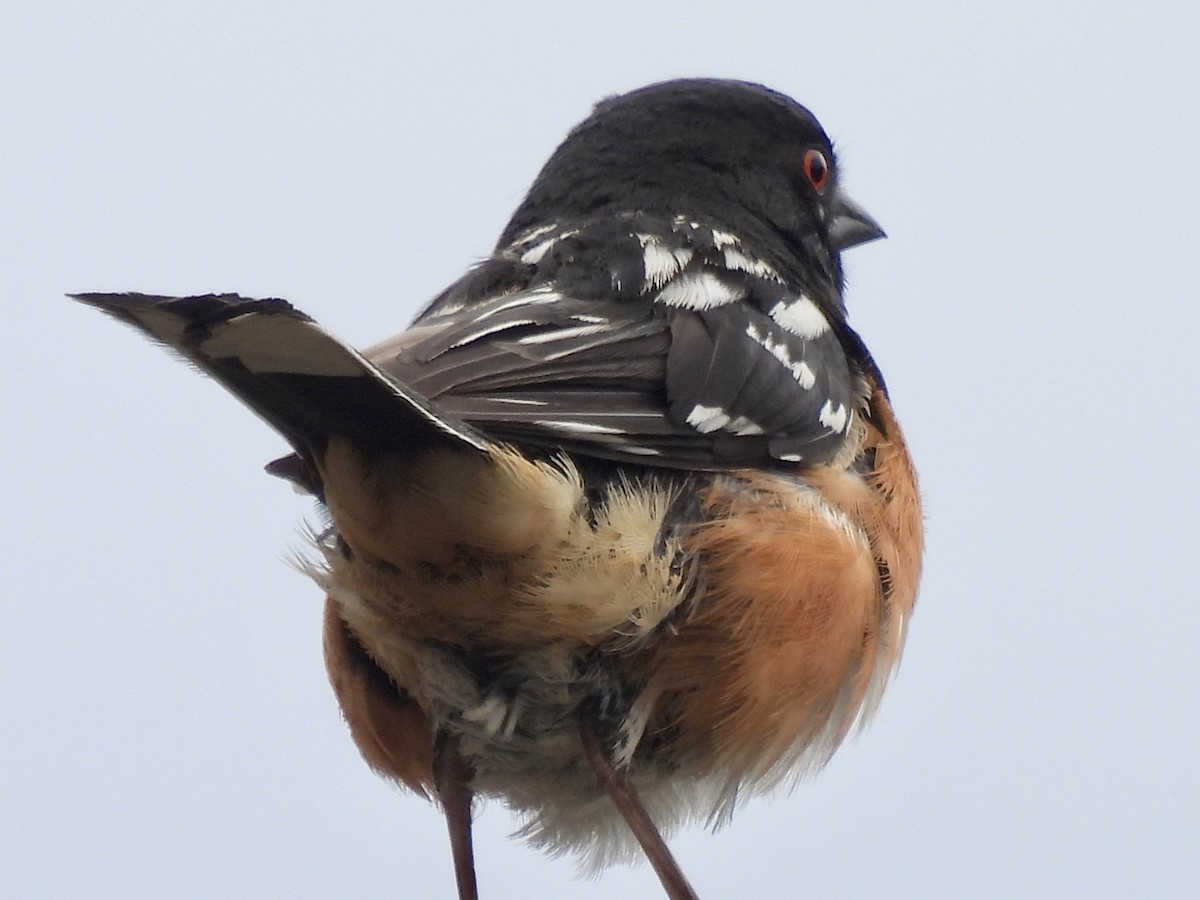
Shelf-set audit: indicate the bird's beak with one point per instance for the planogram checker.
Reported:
(849, 223)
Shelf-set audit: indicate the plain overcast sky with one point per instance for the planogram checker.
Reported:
(165, 725)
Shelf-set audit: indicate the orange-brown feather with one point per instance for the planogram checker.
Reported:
(778, 633)
(761, 663)
(391, 731)
(809, 581)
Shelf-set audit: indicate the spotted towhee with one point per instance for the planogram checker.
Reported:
(623, 529)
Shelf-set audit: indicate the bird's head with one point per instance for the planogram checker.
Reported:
(737, 155)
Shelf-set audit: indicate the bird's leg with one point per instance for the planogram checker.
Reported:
(452, 778)
(629, 804)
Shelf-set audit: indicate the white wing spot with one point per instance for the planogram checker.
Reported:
(736, 259)
(577, 427)
(707, 418)
(536, 297)
(534, 254)
(699, 290)
(660, 263)
(801, 317)
(804, 375)
(534, 233)
(800, 371)
(562, 334)
(490, 329)
(639, 450)
(834, 419)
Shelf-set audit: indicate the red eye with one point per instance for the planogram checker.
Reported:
(816, 168)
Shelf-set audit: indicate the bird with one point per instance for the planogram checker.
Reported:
(622, 530)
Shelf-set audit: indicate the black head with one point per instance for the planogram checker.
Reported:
(738, 155)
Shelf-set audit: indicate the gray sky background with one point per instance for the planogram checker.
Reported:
(166, 726)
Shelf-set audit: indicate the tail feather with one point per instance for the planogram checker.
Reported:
(300, 379)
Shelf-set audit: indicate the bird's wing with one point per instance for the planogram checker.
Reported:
(663, 342)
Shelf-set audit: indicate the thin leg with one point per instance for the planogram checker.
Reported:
(452, 776)
(629, 804)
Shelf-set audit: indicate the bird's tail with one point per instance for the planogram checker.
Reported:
(306, 384)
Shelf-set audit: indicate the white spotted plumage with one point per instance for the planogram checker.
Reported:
(659, 262)
(626, 506)
(699, 290)
(565, 317)
(707, 418)
(801, 317)
(834, 418)
(800, 371)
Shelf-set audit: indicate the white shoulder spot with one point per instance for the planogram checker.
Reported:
(699, 290)
(801, 317)
(736, 259)
(660, 263)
